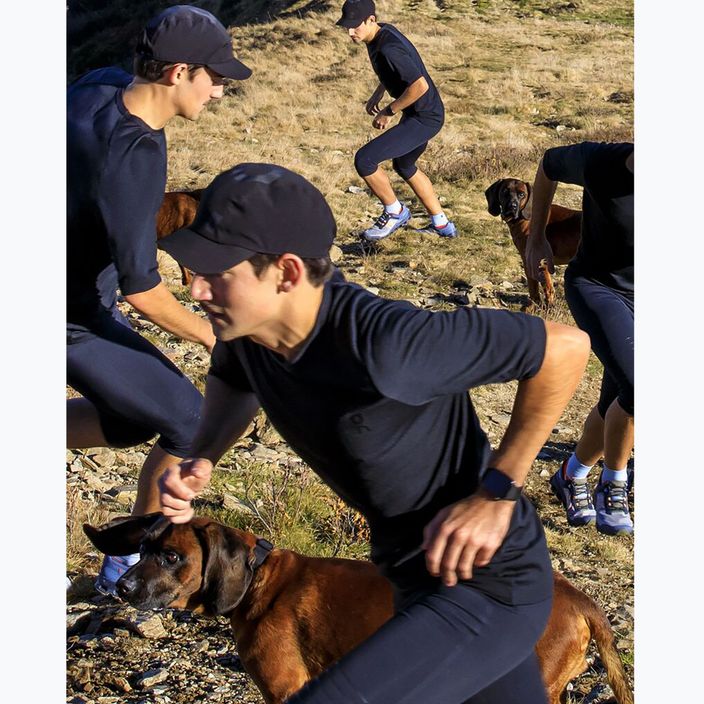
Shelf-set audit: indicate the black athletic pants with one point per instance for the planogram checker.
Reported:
(446, 645)
(606, 315)
(138, 392)
(403, 143)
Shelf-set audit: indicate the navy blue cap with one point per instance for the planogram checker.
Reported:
(190, 35)
(354, 12)
(249, 209)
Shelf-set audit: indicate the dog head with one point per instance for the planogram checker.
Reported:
(510, 198)
(201, 565)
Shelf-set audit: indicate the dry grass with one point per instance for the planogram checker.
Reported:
(82, 507)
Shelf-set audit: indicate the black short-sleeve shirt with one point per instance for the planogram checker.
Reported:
(116, 180)
(606, 250)
(377, 404)
(397, 64)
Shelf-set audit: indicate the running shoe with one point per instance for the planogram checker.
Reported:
(447, 230)
(574, 495)
(612, 514)
(113, 568)
(387, 223)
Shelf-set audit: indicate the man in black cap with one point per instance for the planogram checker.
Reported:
(599, 288)
(402, 74)
(116, 181)
(372, 394)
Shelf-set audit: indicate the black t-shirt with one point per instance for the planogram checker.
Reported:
(397, 64)
(606, 250)
(116, 180)
(376, 403)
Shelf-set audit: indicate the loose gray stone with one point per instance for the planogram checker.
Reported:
(262, 452)
(105, 458)
(152, 677)
(335, 253)
(234, 504)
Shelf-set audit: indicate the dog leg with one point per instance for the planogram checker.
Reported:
(548, 288)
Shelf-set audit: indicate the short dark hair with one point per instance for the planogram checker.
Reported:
(318, 269)
(153, 69)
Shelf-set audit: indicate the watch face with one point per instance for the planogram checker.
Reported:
(499, 485)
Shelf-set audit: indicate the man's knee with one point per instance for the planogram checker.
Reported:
(123, 434)
(364, 162)
(624, 401)
(403, 169)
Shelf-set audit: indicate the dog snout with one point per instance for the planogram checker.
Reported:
(512, 207)
(127, 586)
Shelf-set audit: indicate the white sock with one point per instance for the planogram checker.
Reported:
(439, 220)
(575, 469)
(394, 209)
(614, 475)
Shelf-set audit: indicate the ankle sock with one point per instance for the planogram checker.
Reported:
(614, 475)
(439, 220)
(575, 469)
(394, 209)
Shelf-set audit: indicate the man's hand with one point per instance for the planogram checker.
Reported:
(538, 250)
(179, 484)
(380, 122)
(372, 106)
(465, 534)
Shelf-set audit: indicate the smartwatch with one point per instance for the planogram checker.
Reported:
(500, 486)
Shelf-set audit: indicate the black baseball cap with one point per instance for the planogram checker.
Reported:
(253, 208)
(190, 35)
(354, 12)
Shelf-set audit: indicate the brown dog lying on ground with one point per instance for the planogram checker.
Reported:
(177, 210)
(279, 602)
(511, 199)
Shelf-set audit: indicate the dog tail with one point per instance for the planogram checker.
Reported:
(603, 636)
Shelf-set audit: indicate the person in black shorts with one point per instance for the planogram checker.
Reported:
(402, 74)
(372, 394)
(599, 291)
(116, 180)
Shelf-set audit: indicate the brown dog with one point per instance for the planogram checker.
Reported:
(293, 616)
(178, 209)
(511, 199)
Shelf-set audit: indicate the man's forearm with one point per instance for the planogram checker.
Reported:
(543, 193)
(541, 400)
(409, 96)
(225, 416)
(160, 306)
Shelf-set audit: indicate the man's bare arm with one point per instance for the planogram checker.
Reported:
(468, 533)
(160, 306)
(537, 246)
(225, 415)
(409, 96)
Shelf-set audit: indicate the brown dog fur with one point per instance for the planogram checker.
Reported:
(512, 200)
(281, 615)
(177, 210)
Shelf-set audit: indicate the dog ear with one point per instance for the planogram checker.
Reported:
(124, 535)
(228, 570)
(527, 209)
(492, 197)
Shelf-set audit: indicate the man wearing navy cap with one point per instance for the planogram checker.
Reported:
(403, 75)
(372, 394)
(116, 180)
